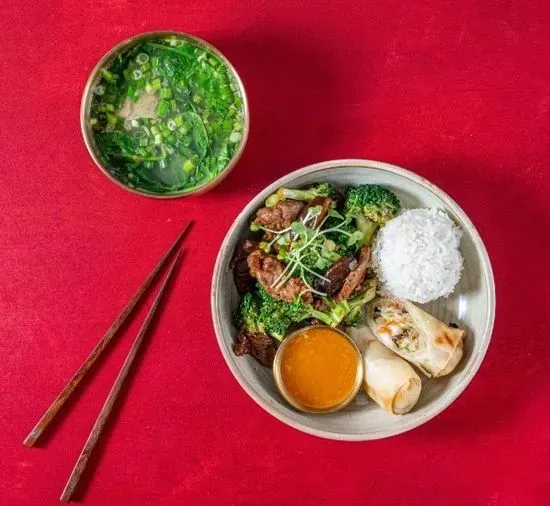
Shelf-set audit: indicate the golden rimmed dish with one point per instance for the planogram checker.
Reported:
(293, 400)
(96, 76)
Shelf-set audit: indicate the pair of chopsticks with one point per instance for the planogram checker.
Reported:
(69, 388)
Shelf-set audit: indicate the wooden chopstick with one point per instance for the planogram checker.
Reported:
(68, 389)
(93, 438)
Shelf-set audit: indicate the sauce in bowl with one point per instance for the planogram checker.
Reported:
(318, 369)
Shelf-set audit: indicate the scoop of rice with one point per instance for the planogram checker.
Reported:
(416, 255)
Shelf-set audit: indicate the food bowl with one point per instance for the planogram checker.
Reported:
(471, 306)
(96, 77)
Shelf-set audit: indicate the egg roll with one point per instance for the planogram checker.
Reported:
(389, 380)
(418, 337)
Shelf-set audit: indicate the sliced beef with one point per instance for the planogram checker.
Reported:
(260, 346)
(325, 203)
(336, 274)
(241, 272)
(356, 277)
(279, 216)
(267, 269)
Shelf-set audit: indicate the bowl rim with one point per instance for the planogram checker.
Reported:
(475, 360)
(86, 102)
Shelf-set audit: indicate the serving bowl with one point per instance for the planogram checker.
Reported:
(96, 76)
(471, 306)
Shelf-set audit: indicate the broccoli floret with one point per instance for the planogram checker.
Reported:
(371, 206)
(350, 311)
(341, 240)
(278, 315)
(247, 315)
(357, 303)
(307, 195)
(260, 313)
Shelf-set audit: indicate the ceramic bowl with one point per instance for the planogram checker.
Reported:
(471, 306)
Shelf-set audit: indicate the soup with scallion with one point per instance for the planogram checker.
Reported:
(167, 115)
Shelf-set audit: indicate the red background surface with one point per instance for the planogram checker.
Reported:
(457, 91)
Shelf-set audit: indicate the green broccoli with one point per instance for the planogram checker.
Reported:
(350, 312)
(341, 236)
(260, 313)
(307, 195)
(371, 206)
(278, 315)
(247, 315)
(357, 303)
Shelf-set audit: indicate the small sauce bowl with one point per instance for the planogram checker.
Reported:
(318, 369)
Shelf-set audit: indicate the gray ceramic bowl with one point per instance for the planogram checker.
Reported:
(471, 306)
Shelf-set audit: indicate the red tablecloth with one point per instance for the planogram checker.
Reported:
(458, 91)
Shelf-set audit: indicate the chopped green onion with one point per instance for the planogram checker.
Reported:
(158, 139)
(93, 121)
(171, 125)
(131, 93)
(178, 120)
(235, 137)
(137, 74)
(108, 76)
(99, 90)
(162, 108)
(111, 119)
(142, 58)
(156, 84)
(188, 166)
(165, 93)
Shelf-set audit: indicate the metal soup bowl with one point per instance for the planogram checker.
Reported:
(95, 78)
(278, 376)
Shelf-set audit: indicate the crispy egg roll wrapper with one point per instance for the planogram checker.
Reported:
(389, 380)
(441, 346)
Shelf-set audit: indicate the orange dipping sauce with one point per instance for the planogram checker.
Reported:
(319, 368)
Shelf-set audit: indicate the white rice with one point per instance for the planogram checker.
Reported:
(416, 255)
